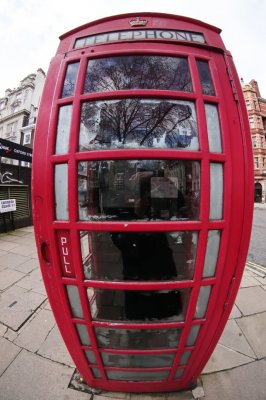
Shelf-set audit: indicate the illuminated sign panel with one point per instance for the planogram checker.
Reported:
(144, 34)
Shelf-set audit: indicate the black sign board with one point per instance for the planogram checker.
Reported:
(15, 151)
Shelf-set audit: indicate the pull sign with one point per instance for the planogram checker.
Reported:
(64, 246)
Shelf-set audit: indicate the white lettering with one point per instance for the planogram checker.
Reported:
(141, 34)
(63, 240)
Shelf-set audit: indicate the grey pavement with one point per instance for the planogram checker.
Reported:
(34, 363)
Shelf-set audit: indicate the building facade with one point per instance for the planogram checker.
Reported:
(256, 106)
(18, 112)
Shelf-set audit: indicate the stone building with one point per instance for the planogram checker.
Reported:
(18, 112)
(256, 106)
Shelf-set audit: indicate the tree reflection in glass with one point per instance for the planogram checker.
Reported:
(138, 72)
(135, 122)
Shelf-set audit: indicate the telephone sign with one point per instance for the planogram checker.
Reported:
(144, 207)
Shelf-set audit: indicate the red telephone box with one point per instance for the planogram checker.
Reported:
(143, 197)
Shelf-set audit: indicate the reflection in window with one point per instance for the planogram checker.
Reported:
(138, 72)
(213, 245)
(70, 80)
(213, 126)
(139, 256)
(139, 190)
(83, 334)
(179, 373)
(63, 129)
(134, 123)
(61, 191)
(138, 305)
(216, 193)
(138, 339)
(90, 357)
(205, 78)
(193, 334)
(137, 375)
(185, 358)
(203, 301)
(74, 301)
(137, 360)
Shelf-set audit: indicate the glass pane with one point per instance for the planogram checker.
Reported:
(96, 372)
(83, 334)
(148, 256)
(61, 191)
(137, 375)
(213, 126)
(70, 80)
(213, 245)
(138, 123)
(185, 358)
(139, 190)
(74, 300)
(205, 78)
(90, 357)
(63, 129)
(193, 334)
(138, 339)
(138, 72)
(216, 203)
(179, 373)
(137, 360)
(136, 305)
(203, 301)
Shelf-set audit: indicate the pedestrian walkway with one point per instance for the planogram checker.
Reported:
(34, 363)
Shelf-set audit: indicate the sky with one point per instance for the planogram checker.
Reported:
(30, 30)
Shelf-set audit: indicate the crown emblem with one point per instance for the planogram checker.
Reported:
(138, 22)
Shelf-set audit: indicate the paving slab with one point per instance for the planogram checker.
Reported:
(150, 396)
(10, 335)
(28, 266)
(8, 352)
(254, 329)
(8, 277)
(12, 260)
(17, 305)
(251, 300)
(248, 281)
(184, 395)
(244, 383)
(36, 331)
(54, 348)
(32, 377)
(3, 329)
(224, 358)
(234, 339)
(235, 313)
(6, 246)
(33, 281)
(23, 249)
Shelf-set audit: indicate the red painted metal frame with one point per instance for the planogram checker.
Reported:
(237, 201)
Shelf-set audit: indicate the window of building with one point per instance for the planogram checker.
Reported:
(251, 122)
(259, 122)
(27, 138)
(256, 162)
(11, 128)
(2, 105)
(248, 105)
(254, 141)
